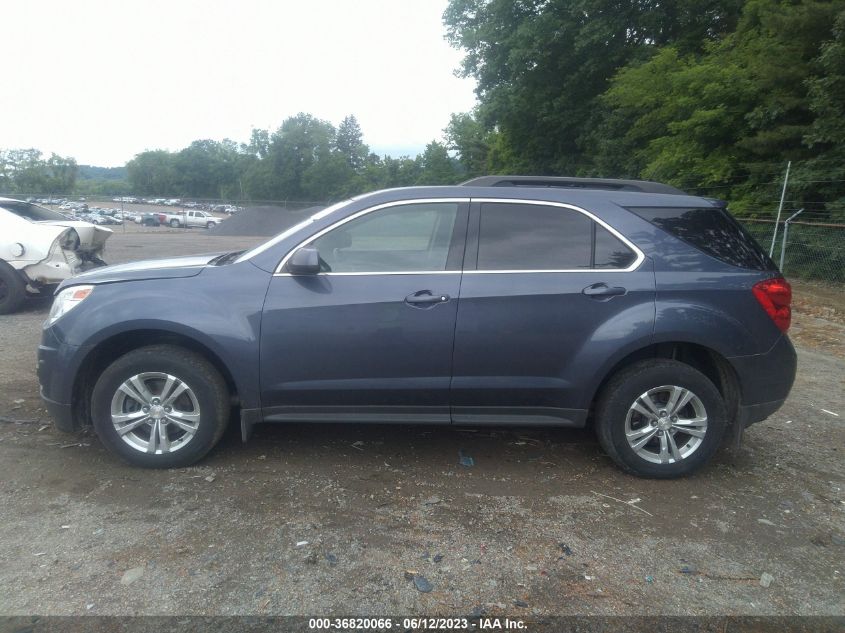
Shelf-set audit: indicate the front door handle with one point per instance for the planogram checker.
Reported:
(602, 291)
(425, 298)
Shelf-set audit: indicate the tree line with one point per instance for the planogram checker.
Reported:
(713, 96)
(27, 170)
(306, 158)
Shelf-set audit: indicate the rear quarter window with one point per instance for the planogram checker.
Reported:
(711, 230)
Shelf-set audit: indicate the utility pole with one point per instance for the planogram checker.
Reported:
(780, 207)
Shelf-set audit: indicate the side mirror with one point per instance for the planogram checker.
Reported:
(304, 261)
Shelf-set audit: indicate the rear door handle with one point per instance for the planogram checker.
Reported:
(601, 290)
(425, 298)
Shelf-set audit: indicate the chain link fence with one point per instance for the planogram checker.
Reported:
(810, 250)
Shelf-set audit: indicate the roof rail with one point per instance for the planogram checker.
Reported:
(608, 184)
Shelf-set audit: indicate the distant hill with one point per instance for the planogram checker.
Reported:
(92, 172)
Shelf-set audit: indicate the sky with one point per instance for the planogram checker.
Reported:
(101, 81)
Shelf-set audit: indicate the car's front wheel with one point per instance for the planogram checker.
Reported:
(160, 407)
(661, 419)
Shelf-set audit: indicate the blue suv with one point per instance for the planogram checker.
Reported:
(627, 305)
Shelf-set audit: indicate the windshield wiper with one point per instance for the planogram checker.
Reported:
(225, 258)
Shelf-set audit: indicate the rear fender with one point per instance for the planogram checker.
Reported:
(614, 339)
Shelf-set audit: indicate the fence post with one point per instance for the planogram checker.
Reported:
(785, 234)
(780, 207)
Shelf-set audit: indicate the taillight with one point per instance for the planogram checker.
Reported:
(775, 295)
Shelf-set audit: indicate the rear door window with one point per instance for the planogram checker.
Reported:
(514, 236)
(711, 230)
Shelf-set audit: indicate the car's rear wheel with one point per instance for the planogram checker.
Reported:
(661, 419)
(174, 224)
(160, 407)
(12, 289)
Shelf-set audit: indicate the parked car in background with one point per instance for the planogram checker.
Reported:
(101, 218)
(40, 248)
(150, 219)
(191, 218)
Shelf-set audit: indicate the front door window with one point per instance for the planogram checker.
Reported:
(404, 238)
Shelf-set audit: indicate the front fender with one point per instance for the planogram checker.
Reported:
(220, 309)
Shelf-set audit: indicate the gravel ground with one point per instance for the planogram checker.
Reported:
(328, 519)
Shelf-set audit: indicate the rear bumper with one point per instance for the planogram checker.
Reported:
(765, 380)
(749, 414)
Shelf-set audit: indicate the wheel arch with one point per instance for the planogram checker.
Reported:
(110, 349)
(705, 359)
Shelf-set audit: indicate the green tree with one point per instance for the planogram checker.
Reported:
(725, 116)
(467, 136)
(826, 136)
(330, 178)
(206, 169)
(437, 168)
(301, 141)
(259, 144)
(153, 173)
(25, 171)
(401, 172)
(542, 65)
(60, 176)
(349, 142)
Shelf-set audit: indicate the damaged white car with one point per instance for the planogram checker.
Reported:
(40, 248)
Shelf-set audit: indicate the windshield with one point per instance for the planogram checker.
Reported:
(32, 212)
(288, 232)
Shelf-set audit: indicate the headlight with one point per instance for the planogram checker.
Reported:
(66, 300)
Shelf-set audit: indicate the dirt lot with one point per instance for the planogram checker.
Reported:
(326, 520)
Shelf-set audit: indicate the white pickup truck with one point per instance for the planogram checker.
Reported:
(191, 218)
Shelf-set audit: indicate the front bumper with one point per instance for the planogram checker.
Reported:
(62, 414)
(56, 371)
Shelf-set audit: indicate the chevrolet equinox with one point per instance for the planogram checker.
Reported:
(628, 305)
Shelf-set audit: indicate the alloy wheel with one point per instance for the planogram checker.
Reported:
(155, 413)
(666, 424)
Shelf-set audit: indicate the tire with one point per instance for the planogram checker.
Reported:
(174, 224)
(12, 289)
(206, 398)
(209, 225)
(648, 378)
